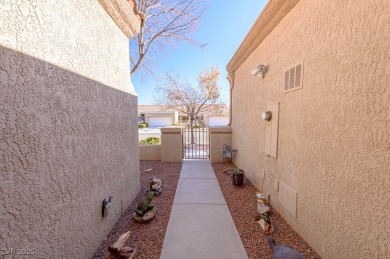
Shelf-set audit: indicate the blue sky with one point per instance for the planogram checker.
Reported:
(223, 27)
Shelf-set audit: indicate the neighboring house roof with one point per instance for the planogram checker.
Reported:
(161, 112)
(163, 108)
(154, 109)
(270, 17)
(225, 113)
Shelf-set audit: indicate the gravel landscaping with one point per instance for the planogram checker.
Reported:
(148, 238)
(242, 205)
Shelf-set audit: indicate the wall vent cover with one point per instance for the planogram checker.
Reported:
(293, 78)
(288, 198)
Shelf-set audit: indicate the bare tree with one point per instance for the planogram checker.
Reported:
(165, 23)
(186, 99)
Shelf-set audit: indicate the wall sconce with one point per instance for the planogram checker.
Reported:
(259, 71)
(267, 115)
(106, 205)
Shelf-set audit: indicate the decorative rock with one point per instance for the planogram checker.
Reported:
(119, 251)
(125, 253)
(157, 192)
(155, 186)
(261, 200)
(148, 216)
(268, 229)
(262, 209)
(128, 253)
(284, 251)
(145, 204)
(149, 170)
(260, 195)
(227, 171)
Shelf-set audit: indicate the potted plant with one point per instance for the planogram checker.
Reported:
(237, 177)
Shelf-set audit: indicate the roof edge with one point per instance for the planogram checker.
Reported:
(272, 14)
(125, 14)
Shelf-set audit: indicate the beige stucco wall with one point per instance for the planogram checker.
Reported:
(334, 134)
(218, 137)
(68, 131)
(150, 152)
(171, 144)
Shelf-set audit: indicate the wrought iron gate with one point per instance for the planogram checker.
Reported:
(196, 143)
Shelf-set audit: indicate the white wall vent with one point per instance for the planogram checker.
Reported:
(288, 198)
(293, 78)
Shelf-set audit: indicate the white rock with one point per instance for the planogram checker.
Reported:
(262, 209)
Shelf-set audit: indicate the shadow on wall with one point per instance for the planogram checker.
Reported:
(66, 143)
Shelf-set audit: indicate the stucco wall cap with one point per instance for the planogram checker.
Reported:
(221, 129)
(125, 14)
(269, 18)
(176, 129)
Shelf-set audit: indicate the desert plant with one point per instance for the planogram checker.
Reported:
(237, 177)
(237, 171)
(142, 125)
(150, 141)
(266, 218)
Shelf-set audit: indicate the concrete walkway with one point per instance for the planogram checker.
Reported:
(200, 225)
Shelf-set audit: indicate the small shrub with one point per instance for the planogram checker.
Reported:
(150, 141)
(175, 124)
(265, 216)
(237, 171)
(142, 125)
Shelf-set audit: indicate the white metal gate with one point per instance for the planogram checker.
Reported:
(196, 143)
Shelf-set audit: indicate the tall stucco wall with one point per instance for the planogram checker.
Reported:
(334, 133)
(68, 134)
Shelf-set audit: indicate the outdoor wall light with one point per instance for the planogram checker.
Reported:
(259, 71)
(267, 115)
(106, 205)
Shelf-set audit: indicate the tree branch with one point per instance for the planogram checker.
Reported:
(166, 22)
